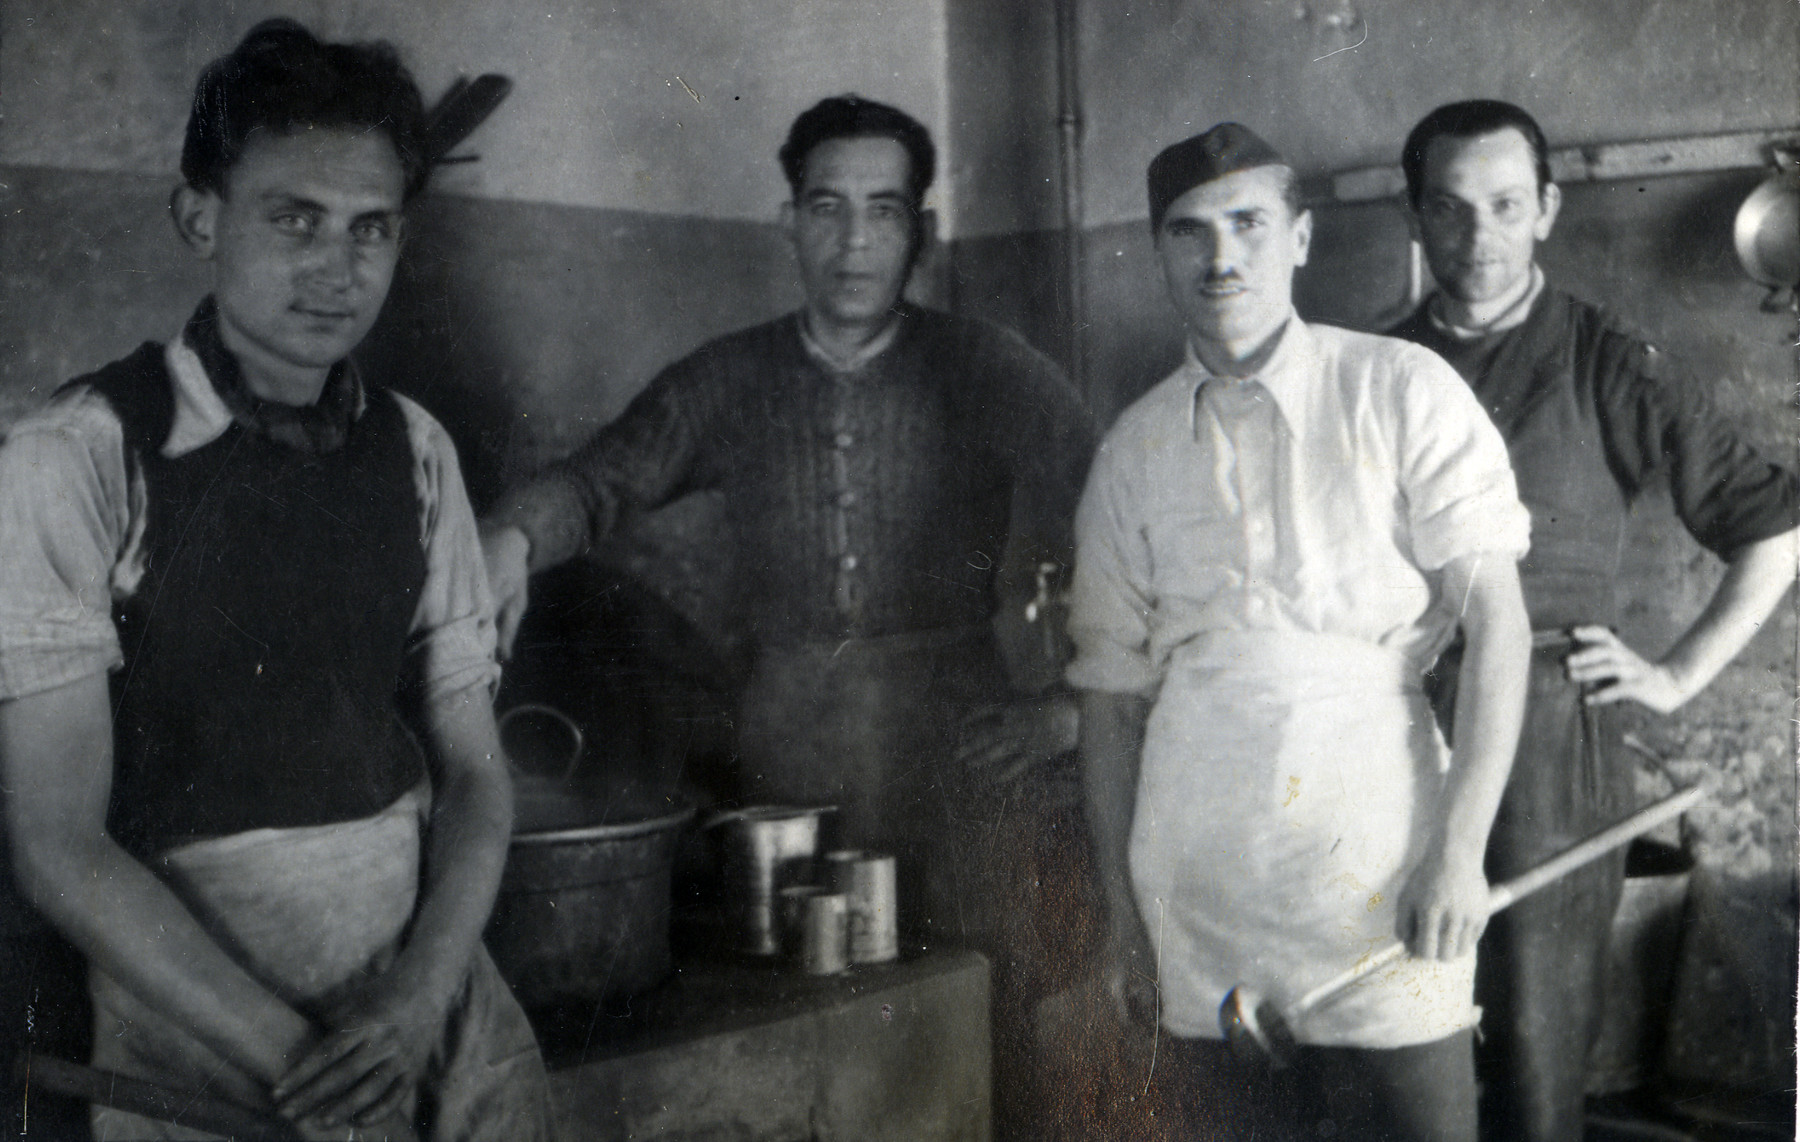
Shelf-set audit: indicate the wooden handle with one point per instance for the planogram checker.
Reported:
(1504, 895)
(1598, 845)
(152, 1100)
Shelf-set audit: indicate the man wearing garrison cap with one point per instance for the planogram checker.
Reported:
(1273, 544)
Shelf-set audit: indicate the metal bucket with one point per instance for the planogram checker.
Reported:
(1639, 984)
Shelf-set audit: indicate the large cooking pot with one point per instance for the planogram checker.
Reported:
(583, 909)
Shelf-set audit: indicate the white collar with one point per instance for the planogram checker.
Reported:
(862, 356)
(201, 415)
(1287, 375)
(1511, 317)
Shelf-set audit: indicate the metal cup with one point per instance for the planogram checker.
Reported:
(867, 880)
(766, 848)
(790, 917)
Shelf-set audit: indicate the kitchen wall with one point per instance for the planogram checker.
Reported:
(623, 208)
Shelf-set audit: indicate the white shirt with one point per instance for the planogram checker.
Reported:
(1317, 496)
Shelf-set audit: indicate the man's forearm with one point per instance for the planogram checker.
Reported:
(1112, 736)
(1754, 582)
(1490, 700)
(556, 513)
(1442, 907)
(131, 926)
(464, 852)
(56, 747)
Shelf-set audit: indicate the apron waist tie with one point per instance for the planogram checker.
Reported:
(1304, 664)
(1556, 644)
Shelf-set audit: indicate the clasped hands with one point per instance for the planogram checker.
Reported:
(363, 1071)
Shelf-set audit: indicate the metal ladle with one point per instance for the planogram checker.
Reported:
(1257, 1028)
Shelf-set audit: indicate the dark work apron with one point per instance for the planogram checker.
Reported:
(1537, 972)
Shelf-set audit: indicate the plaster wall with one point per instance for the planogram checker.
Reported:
(664, 106)
(1337, 83)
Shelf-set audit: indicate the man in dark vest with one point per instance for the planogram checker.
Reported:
(246, 654)
(1592, 415)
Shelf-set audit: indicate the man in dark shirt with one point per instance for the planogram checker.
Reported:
(875, 458)
(1591, 415)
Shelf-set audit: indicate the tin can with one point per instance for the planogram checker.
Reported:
(822, 934)
(867, 881)
(790, 917)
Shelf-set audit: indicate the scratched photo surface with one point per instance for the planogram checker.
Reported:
(622, 205)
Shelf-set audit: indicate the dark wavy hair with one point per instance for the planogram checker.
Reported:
(1467, 120)
(283, 79)
(853, 117)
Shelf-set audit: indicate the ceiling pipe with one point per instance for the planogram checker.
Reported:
(1068, 123)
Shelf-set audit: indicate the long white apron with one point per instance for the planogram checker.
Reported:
(1288, 784)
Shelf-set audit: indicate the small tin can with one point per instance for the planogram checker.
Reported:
(867, 880)
(790, 917)
(822, 934)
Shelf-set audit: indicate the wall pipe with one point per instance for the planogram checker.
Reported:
(1068, 123)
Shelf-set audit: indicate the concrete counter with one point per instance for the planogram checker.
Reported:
(728, 1051)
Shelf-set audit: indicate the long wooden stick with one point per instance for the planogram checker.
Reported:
(1505, 895)
(152, 1100)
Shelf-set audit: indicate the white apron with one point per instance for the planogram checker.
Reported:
(1288, 784)
(310, 912)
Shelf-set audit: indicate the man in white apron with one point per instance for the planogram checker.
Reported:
(1273, 544)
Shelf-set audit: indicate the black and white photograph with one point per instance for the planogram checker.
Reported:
(899, 570)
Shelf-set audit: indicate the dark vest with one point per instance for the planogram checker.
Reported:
(1538, 383)
(264, 645)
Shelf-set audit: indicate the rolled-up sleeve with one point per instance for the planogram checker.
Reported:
(64, 514)
(453, 638)
(1110, 599)
(1460, 492)
(1654, 413)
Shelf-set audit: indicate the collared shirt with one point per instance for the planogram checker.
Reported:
(1318, 496)
(72, 524)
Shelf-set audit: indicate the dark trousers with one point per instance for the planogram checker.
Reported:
(1537, 975)
(1539, 969)
(1423, 1093)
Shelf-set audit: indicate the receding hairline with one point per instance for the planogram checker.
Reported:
(1462, 140)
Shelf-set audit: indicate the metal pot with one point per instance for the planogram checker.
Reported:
(583, 909)
(1767, 230)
